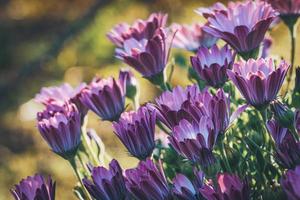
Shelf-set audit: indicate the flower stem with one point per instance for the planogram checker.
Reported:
(73, 164)
(264, 116)
(135, 102)
(86, 145)
(163, 128)
(293, 31)
(224, 156)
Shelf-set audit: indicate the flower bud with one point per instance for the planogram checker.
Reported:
(283, 114)
(129, 82)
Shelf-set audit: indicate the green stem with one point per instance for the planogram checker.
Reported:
(163, 128)
(172, 70)
(135, 102)
(73, 164)
(264, 116)
(86, 145)
(224, 156)
(295, 134)
(83, 164)
(163, 86)
(293, 31)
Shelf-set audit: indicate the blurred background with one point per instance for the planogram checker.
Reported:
(44, 43)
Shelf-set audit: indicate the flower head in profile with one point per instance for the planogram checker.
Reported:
(195, 141)
(141, 29)
(105, 97)
(147, 181)
(287, 149)
(148, 56)
(235, 27)
(60, 126)
(58, 95)
(290, 182)
(34, 188)
(258, 80)
(288, 9)
(191, 37)
(136, 131)
(229, 187)
(212, 64)
(107, 184)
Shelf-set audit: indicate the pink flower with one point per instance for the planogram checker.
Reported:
(258, 80)
(229, 187)
(235, 26)
(141, 29)
(58, 95)
(191, 37)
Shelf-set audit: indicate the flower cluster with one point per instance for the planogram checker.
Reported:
(185, 142)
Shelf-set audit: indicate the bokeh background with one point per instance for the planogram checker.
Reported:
(44, 43)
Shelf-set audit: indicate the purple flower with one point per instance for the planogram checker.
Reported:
(34, 188)
(60, 126)
(229, 187)
(212, 64)
(147, 182)
(217, 108)
(147, 56)
(234, 26)
(210, 11)
(141, 29)
(195, 141)
(290, 183)
(105, 97)
(107, 184)
(191, 37)
(127, 79)
(172, 106)
(287, 150)
(286, 8)
(58, 95)
(183, 188)
(258, 80)
(191, 104)
(136, 131)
